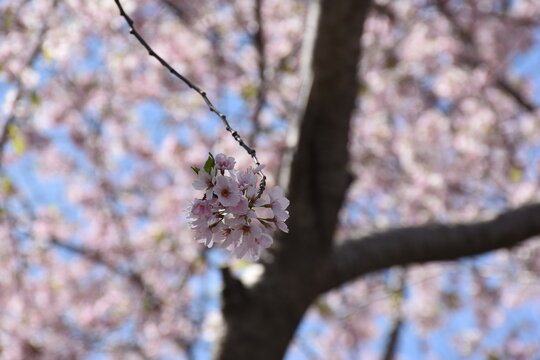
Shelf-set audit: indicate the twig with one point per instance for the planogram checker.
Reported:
(178, 11)
(260, 46)
(4, 133)
(384, 10)
(134, 277)
(502, 83)
(393, 338)
(512, 92)
(20, 92)
(191, 85)
(397, 326)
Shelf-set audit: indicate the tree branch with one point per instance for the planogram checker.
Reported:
(194, 87)
(177, 10)
(320, 177)
(433, 242)
(393, 338)
(473, 59)
(276, 304)
(397, 326)
(504, 85)
(133, 277)
(260, 45)
(20, 92)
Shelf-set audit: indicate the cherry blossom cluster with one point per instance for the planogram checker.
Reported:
(231, 214)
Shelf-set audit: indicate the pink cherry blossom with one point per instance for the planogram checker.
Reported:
(247, 181)
(225, 236)
(230, 215)
(278, 203)
(201, 209)
(264, 240)
(250, 232)
(241, 208)
(281, 225)
(224, 162)
(202, 231)
(227, 191)
(253, 245)
(204, 181)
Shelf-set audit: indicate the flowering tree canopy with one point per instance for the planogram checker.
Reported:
(405, 133)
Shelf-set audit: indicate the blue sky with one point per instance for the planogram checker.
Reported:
(44, 192)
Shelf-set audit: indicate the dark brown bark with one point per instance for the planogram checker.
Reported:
(393, 339)
(433, 242)
(392, 342)
(263, 323)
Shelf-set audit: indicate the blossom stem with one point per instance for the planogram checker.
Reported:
(197, 89)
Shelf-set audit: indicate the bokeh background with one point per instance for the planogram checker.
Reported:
(97, 141)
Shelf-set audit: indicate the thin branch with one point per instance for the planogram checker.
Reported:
(512, 92)
(98, 258)
(432, 242)
(7, 125)
(384, 10)
(20, 263)
(474, 59)
(178, 11)
(134, 277)
(260, 46)
(522, 21)
(191, 85)
(397, 326)
(391, 345)
(34, 53)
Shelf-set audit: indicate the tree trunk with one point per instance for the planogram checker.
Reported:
(260, 322)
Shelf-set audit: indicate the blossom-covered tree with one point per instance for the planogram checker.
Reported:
(405, 133)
